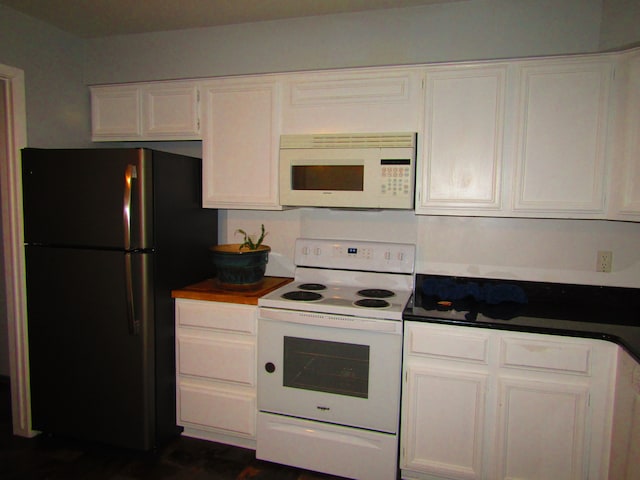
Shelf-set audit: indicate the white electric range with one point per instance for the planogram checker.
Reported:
(330, 359)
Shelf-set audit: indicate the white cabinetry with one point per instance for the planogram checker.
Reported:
(216, 371)
(494, 404)
(522, 138)
(462, 144)
(563, 117)
(241, 135)
(353, 101)
(444, 402)
(145, 111)
(625, 181)
(625, 445)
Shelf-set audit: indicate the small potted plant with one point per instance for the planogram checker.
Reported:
(241, 264)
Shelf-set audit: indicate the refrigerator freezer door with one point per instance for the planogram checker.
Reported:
(78, 197)
(90, 378)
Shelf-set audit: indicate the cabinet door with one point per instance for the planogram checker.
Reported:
(206, 408)
(461, 168)
(444, 419)
(625, 184)
(562, 121)
(625, 444)
(353, 101)
(171, 111)
(541, 430)
(240, 144)
(145, 111)
(115, 113)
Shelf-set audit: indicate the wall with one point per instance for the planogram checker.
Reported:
(546, 250)
(474, 29)
(57, 98)
(620, 24)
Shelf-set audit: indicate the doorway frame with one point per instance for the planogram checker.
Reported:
(13, 83)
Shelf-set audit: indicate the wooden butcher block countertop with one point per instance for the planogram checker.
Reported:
(213, 291)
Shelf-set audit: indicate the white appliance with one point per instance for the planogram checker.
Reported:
(361, 170)
(330, 359)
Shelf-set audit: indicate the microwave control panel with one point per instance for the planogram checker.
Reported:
(396, 177)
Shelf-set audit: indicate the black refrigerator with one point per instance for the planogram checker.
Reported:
(108, 234)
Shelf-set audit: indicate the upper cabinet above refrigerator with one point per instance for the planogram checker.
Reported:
(146, 111)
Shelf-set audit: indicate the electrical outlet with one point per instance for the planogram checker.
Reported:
(604, 260)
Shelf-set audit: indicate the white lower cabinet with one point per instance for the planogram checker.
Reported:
(625, 445)
(487, 404)
(216, 371)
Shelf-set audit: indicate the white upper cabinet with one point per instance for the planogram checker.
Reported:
(625, 178)
(353, 101)
(145, 111)
(563, 116)
(171, 111)
(116, 112)
(461, 162)
(241, 134)
(522, 138)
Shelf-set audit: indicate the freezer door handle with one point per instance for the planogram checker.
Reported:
(130, 174)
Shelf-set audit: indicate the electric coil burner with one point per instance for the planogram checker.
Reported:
(330, 359)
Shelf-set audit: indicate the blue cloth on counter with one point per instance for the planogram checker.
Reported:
(449, 289)
(501, 293)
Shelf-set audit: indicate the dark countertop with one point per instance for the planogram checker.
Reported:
(606, 313)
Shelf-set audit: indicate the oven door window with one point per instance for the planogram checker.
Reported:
(348, 178)
(324, 366)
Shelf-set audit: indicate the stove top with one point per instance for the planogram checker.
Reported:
(374, 280)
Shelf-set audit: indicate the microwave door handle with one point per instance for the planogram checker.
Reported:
(130, 174)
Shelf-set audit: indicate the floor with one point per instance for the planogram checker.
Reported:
(50, 458)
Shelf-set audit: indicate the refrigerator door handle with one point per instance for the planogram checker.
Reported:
(130, 173)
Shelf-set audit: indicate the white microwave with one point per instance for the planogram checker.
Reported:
(359, 170)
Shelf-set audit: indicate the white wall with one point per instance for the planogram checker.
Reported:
(58, 112)
(473, 29)
(546, 250)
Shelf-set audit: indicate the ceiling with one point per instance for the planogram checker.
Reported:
(101, 18)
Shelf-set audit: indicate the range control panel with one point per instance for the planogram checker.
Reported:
(355, 255)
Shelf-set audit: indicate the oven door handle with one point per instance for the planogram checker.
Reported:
(333, 321)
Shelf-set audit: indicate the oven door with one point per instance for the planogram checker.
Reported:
(341, 370)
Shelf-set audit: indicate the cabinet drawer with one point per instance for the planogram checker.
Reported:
(224, 360)
(545, 355)
(453, 343)
(218, 409)
(229, 317)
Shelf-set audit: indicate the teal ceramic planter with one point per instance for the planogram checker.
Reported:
(235, 266)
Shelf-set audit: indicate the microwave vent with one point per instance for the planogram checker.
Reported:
(353, 140)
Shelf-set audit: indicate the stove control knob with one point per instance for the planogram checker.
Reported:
(269, 367)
